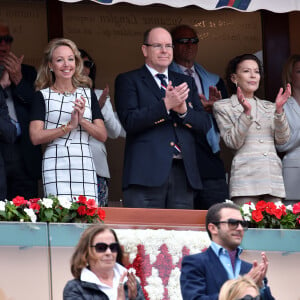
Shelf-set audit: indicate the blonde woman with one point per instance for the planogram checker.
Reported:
(242, 288)
(64, 115)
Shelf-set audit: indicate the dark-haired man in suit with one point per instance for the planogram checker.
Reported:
(22, 160)
(203, 274)
(161, 112)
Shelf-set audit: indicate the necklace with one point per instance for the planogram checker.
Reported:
(65, 93)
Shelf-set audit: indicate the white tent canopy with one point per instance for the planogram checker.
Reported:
(278, 6)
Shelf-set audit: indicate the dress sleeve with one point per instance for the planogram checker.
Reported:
(96, 111)
(38, 110)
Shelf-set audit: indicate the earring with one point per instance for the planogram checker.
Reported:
(236, 84)
(51, 70)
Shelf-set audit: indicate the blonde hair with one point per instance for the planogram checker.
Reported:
(234, 289)
(46, 78)
(288, 69)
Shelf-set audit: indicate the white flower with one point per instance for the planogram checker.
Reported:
(31, 214)
(64, 202)
(47, 202)
(228, 201)
(278, 204)
(2, 205)
(289, 207)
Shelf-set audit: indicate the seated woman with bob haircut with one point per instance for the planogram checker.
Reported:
(97, 268)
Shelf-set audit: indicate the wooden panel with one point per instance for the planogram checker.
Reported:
(276, 49)
(162, 218)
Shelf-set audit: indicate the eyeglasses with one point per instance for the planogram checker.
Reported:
(187, 40)
(234, 223)
(6, 38)
(87, 63)
(248, 297)
(160, 46)
(102, 247)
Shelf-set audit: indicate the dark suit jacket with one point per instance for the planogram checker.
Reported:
(8, 134)
(23, 96)
(202, 276)
(151, 130)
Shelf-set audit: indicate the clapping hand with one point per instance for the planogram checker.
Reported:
(282, 97)
(12, 64)
(258, 271)
(214, 95)
(176, 96)
(104, 96)
(79, 107)
(243, 101)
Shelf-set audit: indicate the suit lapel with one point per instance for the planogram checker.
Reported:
(220, 274)
(149, 82)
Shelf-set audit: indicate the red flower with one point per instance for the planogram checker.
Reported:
(34, 200)
(91, 203)
(81, 210)
(35, 206)
(257, 215)
(261, 205)
(278, 213)
(91, 211)
(81, 199)
(18, 201)
(296, 208)
(101, 213)
(298, 219)
(271, 208)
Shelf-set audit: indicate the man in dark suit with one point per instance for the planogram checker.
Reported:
(8, 130)
(160, 112)
(215, 187)
(203, 274)
(22, 160)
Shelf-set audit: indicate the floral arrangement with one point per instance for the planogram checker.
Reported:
(53, 209)
(272, 215)
(155, 257)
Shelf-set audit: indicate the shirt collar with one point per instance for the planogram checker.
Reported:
(88, 276)
(154, 72)
(219, 249)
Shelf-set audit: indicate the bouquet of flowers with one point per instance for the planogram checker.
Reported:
(272, 215)
(53, 209)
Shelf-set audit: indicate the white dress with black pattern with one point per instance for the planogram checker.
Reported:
(68, 167)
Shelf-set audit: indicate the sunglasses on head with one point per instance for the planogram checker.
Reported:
(87, 63)
(248, 297)
(6, 38)
(233, 223)
(187, 41)
(102, 247)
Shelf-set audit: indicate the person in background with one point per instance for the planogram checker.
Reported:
(212, 171)
(252, 127)
(65, 113)
(291, 159)
(161, 112)
(242, 288)
(203, 274)
(8, 131)
(22, 160)
(96, 265)
(112, 125)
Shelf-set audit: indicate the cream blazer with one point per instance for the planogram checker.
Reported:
(256, 169)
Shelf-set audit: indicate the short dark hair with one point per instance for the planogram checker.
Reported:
(213, 214)
(176, 29)
(233, 65)
(93, 69)
(83, 252)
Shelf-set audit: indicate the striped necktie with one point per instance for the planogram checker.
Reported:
(163, 83)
